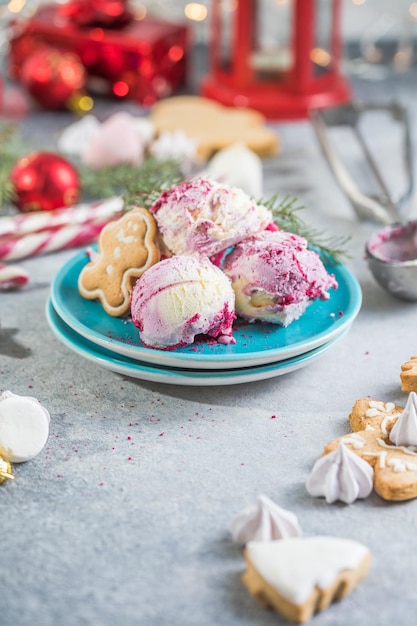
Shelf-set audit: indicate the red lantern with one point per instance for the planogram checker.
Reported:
(279, 57)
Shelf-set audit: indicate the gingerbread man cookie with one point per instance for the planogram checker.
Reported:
(127, 247)
(394, 464)
(213, 125)
(409, 375)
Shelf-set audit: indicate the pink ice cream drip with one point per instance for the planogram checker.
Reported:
(275, 277)
(204, 217)
(180, 298)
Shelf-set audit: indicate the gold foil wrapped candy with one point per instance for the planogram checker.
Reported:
(5, 470)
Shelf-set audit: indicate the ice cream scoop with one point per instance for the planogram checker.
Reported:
(275, 277)
(179, 298)
(205, 217)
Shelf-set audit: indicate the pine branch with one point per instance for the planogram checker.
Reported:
(11, 150)
(284, 211)
(140, 185)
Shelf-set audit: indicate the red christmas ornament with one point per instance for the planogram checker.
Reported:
(53, 77)
(44, 181)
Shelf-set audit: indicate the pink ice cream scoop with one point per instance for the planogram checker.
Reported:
(275, 277)
(179, 298)
(206, 217)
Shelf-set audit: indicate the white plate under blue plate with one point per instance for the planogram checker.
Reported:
(176, 375)
(256, 344)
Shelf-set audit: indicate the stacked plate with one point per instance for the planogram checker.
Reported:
(261, 350)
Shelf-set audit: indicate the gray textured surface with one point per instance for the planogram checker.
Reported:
(123, 518)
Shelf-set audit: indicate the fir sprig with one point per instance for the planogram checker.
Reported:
(10, 150)
(141, 185)
(331, 248)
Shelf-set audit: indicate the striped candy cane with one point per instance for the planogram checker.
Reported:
(23, 224)
(12, 276)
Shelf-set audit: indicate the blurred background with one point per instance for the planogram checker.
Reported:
(374, 31)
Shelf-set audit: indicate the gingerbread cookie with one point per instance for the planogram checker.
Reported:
(385, 436)
(301, 576)
(409, 375)
(126, 249)
(213, 125)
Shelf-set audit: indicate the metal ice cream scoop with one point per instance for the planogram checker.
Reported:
(392, 252)
(392, 259)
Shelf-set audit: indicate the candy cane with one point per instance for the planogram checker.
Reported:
(50, 240)
(23, 224)
(12, 276)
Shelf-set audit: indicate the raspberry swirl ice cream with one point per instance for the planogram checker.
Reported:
(179, 298)
(204, 217)
(275, 277)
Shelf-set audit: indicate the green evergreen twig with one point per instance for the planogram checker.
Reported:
(10, 151)
(284, 211)
(140, 186)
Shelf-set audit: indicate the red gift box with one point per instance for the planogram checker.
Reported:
(142, 59)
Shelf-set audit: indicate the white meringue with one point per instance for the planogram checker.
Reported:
(340, 475)
(264, 521)
(116, 142)
(24, 427)
(404, 431)
(145, 129)
(237, 166)
(176, 145)
(76, 137)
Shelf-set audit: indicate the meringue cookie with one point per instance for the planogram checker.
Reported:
(237, 166)
(341, 475)
(145, 129)
(75, 138)
(24, 427)
(264, 521)
(176, 145)
(404, 431)
(117, 141)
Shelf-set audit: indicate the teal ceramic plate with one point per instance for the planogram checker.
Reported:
(176, 375)
(256, 344)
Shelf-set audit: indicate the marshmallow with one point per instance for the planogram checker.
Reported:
(24, 427)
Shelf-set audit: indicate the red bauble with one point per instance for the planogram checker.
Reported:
(53, 76)
(44, 181)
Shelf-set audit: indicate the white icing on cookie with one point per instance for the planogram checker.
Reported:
(382, 457)
(126, 239)
(355, 440)
(404, 431)
(398, 465)
(264, 521)
(393, 448)
(379, 408)
(341, 475)
(294, 567)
